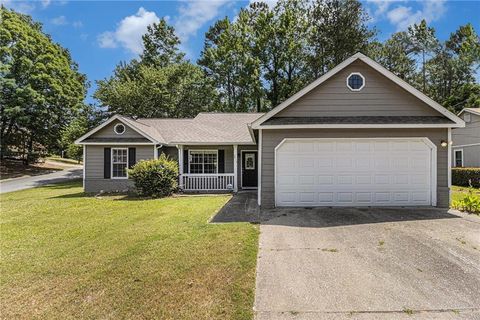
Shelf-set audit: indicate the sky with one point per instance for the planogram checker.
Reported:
(100, 34)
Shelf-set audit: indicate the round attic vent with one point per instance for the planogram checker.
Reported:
(119, 128)
(355, 81)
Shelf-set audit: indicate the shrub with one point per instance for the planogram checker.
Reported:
(466, 177)
(155, 178)
(470, 203)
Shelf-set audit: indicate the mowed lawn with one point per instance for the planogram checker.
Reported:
(65, 255)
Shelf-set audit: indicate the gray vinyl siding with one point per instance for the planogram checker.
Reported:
(380, 96)
(108, 132)
(271, 138)
(94, 181)
(471, 156)
(470, 134)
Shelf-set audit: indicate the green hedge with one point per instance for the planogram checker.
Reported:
(464, 176)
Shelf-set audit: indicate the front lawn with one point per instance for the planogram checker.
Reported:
(65, 255)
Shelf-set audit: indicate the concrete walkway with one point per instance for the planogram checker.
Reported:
(41, 180)
(368, 263)
(242, 207)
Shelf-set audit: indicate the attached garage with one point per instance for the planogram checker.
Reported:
(355, 172)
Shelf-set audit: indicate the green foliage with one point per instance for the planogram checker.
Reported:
(160, 84)
(88, 118)
(466, 177)
(174, 91)
(155, 178)
(41, 87)
(470, 203)
(268, 54)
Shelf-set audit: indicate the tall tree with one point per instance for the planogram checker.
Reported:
(158, 84)
(424, 43)
(41, 87)
(174, 91)
(161, 45)
(338, 30)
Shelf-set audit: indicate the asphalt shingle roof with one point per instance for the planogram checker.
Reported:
(215, 128)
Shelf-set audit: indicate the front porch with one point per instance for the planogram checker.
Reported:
(225, 168)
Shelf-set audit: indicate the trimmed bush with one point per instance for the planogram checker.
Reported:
(155, 178)
(466, 177)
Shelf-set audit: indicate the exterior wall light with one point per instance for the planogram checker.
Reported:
(444, 143)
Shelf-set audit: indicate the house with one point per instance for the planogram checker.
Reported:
(357, 136)
(466, 141)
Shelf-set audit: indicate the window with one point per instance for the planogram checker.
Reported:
(458, 155)
(355, 81)
(250, 161)
(203, 161)
(119, 128)
(119, 163)
(466, 117)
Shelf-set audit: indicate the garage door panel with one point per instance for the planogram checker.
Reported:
(353, 173)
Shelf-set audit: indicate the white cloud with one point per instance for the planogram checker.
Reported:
(404, 16)
(45, 3)
(77, 24)
(22, 7)
(107, 40)
(194, 14)
(59, 21)
(129, 32)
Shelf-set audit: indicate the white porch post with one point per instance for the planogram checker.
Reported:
(235, 168)
(180, 164)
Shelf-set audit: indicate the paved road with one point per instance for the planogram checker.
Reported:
(36, 181)
(368, 264)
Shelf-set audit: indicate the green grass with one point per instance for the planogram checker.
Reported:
(458, 193)
(65, 255)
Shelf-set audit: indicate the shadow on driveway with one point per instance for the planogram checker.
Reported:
(243, 208)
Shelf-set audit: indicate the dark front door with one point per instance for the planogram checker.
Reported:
(249, 169)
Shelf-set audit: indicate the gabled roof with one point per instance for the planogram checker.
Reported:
(457, 122)
(205, 128)
(138, 127)
(471, 110)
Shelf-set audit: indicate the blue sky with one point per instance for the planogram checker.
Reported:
(99, 34)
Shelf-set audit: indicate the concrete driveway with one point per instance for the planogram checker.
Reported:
(368, 263)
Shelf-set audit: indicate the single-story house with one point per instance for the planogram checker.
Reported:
(466, 141)
(357, 136)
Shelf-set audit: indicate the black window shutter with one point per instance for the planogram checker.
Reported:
(185, 161)
(107, 155)
(221, 161)
(132, 157)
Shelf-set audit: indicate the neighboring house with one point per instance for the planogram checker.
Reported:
(357, 136)
(466, 141)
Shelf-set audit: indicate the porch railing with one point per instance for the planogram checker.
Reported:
(207, 182)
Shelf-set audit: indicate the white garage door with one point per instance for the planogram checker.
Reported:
(354, 172)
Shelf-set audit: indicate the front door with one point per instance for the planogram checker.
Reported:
(249, 169)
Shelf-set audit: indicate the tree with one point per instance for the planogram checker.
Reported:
(88, 118)
(174, 91)
(338, 30)
(41, 87)
(424, 43)
(160, 83)
(161, 45)
(395, 54)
